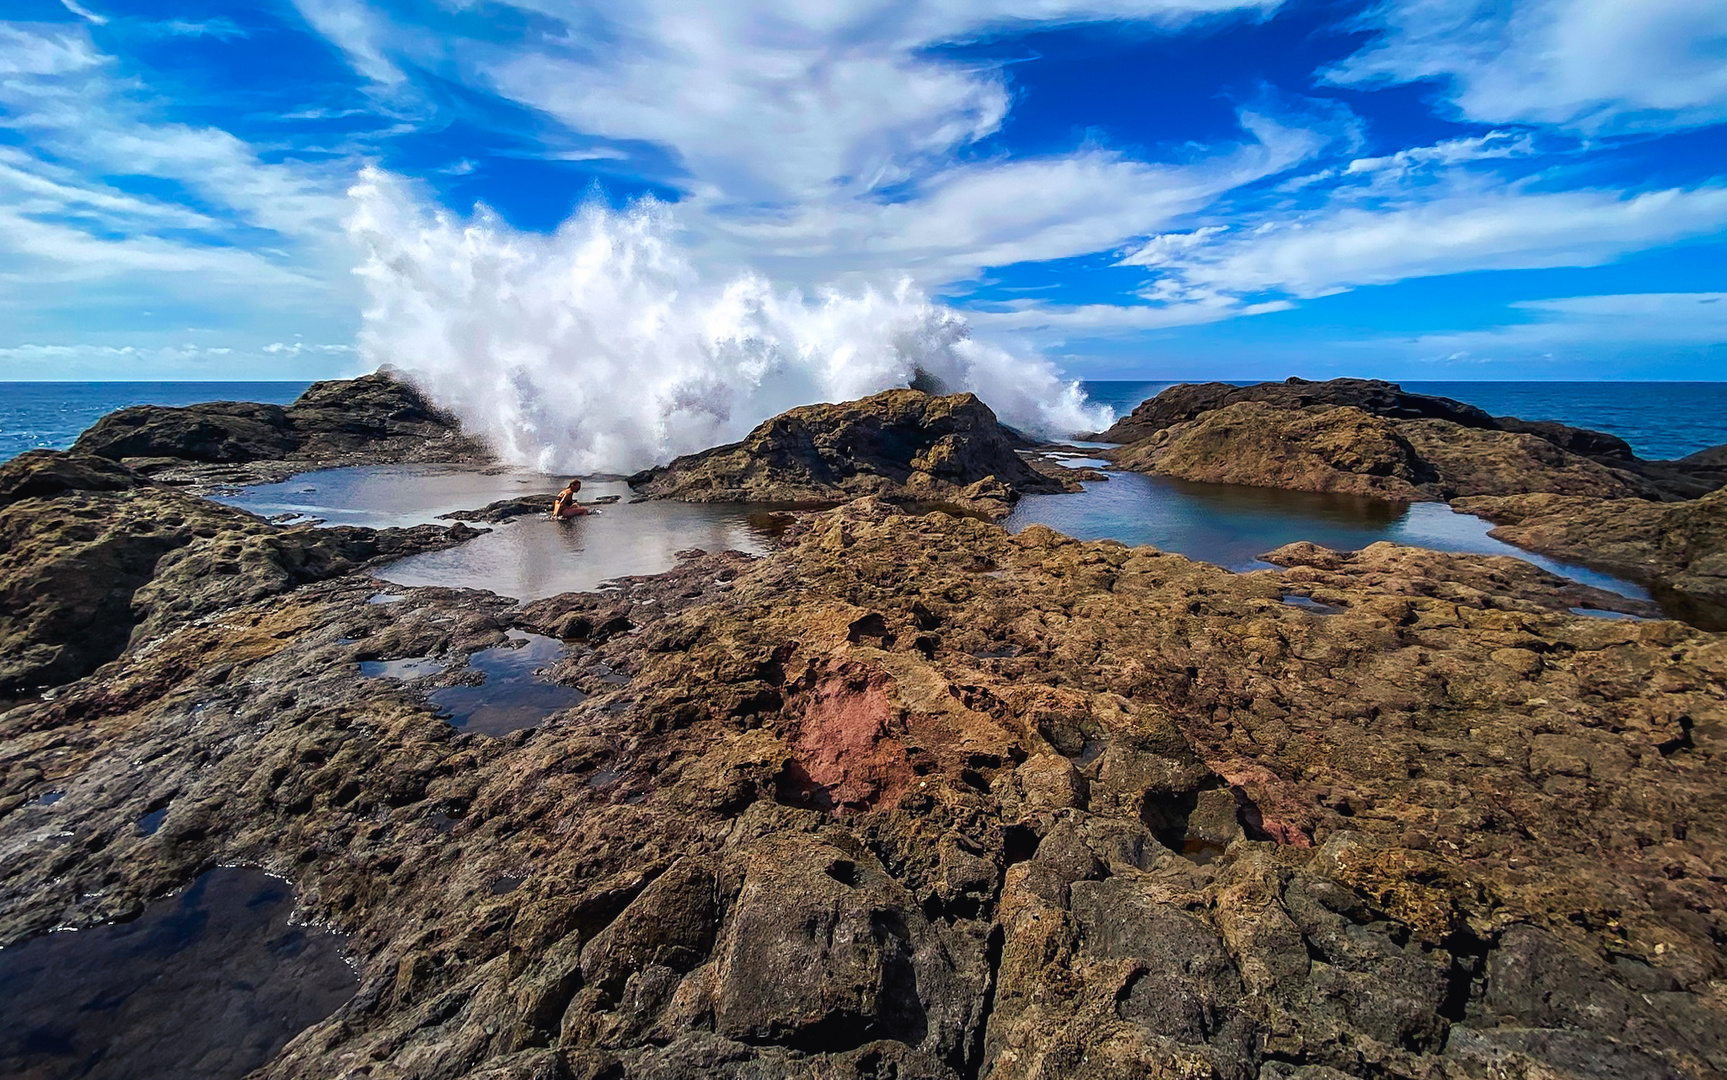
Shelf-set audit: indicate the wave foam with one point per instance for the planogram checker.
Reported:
(600, 348)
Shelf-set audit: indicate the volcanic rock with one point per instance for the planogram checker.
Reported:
(904, 445)
(913, 797)
(1680, 548)
(376, 416)
(1188, 401)
(1351, 451)
(1425, 446)
(93, 556)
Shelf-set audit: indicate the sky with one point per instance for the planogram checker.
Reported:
(1140, 189)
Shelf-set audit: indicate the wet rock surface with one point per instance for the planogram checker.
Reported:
(904, 445)
(914, 797)
(370, 420)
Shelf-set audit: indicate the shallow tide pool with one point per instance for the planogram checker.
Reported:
(1231, 526)
(206, 985)
(528, 558)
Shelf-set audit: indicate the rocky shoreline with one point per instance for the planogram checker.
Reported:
(908, 796)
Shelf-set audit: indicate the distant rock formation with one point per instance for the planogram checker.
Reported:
(903, 445)
(1451, 449)
(377, 416)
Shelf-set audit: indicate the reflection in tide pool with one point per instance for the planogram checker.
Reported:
(528, 558)
(535, 557)
(1231, 526)
(385, 496)
(512, 696)
(207, 985)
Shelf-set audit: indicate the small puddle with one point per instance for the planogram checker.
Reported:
(149, 823)
(48, 798)
(386, 598)
(602, 778)
(1597, 613)
(1308, 603)
(512, 697)
(1202, 852)
(207, 985)
(417, 667)
(506, 883)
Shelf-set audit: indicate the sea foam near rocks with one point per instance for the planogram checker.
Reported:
(604, 347)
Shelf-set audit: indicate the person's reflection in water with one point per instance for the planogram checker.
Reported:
(564, 504)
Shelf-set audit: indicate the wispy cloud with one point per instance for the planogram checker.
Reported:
(1600, 66)
(1345, 246)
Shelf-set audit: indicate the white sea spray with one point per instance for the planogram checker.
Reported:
(602, 347)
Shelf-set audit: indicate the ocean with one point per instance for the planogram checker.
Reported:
(1658, 419)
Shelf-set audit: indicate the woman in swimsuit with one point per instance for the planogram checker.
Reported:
(565, 504)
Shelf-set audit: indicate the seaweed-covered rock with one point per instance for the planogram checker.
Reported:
(904, 445)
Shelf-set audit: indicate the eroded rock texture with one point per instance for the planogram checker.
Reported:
(912, 797)
(369, 420)
(1368, 437)
(904, 445)
(94, 555)
(1680, 546)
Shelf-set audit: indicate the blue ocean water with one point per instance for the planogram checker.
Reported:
(54, 414)
(1659, 419)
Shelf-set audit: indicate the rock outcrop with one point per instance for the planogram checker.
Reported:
(1679, 547)
(1345, 449)
(370, 420)
(903, 445)
(1189, 401)
(1368, 437)
(93, 555)
(913, 797)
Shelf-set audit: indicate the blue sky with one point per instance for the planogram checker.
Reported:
(1415, 189)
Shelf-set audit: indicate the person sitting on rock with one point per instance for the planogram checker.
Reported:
(564, 505)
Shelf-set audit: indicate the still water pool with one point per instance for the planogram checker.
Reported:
(1231, 526)
(206, 985)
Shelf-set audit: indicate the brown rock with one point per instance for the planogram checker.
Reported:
(903, 445)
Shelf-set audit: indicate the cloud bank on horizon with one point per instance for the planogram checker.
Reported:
(1130, 188)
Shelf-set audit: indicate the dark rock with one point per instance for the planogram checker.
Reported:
(1421, 447)
(1348, 450)
(901, 444)
(388, 419)
(92, 557)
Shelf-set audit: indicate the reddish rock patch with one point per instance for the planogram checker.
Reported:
(844, 745)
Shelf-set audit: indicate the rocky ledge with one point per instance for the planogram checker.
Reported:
(1681, 548)
(1368, 437)
(371, 420)
(914, 797)
(1566, 492)
(94, 557)
(903, 445)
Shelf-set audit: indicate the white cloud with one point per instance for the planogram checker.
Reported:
(1494, 144)
(143, 215)
(1600, 66)
(1591, 324)
(1344, 246)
